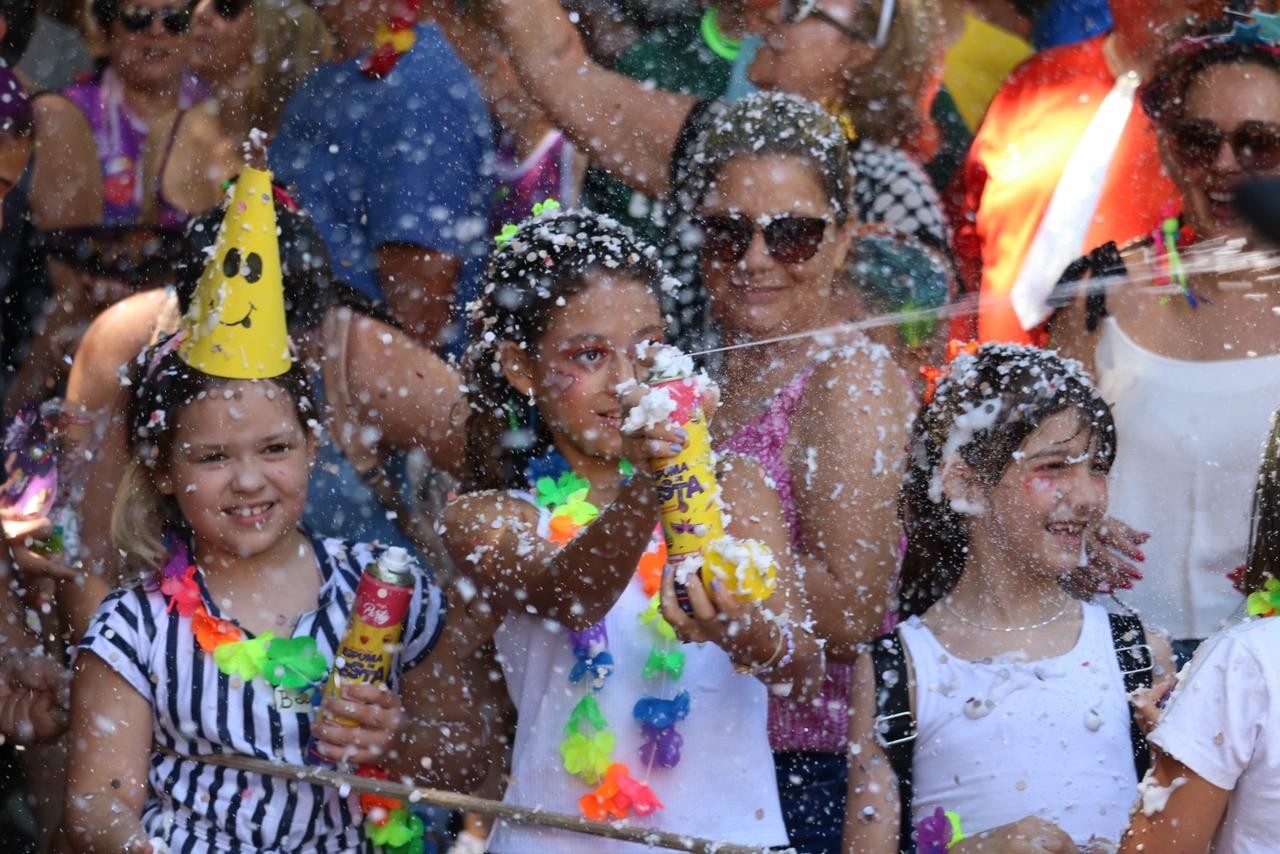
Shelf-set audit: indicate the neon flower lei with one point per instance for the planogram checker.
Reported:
(587, 748)
(294, 664)
(1265, 602)
(937, 833)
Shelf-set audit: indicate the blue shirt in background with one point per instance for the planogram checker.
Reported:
(407, 159)
(1071, 21)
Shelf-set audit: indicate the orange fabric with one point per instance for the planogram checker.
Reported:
(1014, 165)
(652, 563)
(211, 632)
(562, 530)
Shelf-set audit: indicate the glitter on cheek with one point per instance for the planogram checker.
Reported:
(1039, 485)
(560, 382)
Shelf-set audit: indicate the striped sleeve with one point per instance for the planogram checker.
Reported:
(424, 622)
(121, 633)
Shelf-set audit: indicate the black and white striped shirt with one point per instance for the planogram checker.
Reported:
(194, 806)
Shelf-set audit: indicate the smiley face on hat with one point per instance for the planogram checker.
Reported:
(236, 325)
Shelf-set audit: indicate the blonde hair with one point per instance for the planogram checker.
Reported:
(889, 98)
(290, 42)
(141, 515)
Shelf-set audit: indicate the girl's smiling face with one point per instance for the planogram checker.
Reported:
(589, 347)
(239, 468)
(1052, 492)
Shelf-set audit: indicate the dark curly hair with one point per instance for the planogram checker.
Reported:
(548, 258)
(981, 413)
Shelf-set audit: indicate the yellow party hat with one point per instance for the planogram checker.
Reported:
(236, 323)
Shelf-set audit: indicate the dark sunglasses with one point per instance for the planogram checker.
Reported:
(138, 19)
(1256, 143)
(795, 11)
(229, 10)
(789, 239)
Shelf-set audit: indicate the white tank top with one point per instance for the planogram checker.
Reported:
(1190, 439)
(1006, 738)
(724, 786)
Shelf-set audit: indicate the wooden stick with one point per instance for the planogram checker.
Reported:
(469, 803)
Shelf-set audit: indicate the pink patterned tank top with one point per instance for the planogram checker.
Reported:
(821, 726)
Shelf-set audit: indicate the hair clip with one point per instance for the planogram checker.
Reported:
(166, 347)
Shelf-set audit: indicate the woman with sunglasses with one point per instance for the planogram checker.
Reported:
(148, 45)
(1193, 377)
(250, 57)
(825, 417)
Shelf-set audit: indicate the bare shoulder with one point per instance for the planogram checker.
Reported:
(373, 338)
(386, 359)
(56, 113)
(856, 386)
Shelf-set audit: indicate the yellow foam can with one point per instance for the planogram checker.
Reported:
(686, 482)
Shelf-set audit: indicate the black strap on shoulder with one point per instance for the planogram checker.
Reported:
(1137, 666)
(895, 725)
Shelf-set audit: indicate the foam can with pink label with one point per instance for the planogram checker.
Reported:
(367, 649)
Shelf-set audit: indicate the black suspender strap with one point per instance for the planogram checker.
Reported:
(895, 725)
(1137, 666)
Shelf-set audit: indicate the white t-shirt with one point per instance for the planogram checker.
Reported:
(1008, 737)
(1186, 461)
(1220, 723)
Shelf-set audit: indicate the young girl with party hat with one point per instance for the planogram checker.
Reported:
(999, 709)
(220, 648)
(617, 719)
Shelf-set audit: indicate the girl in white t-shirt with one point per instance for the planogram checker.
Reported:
(1216, 779)
(1020, 733)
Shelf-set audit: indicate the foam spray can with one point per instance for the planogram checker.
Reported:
(686, 483)
(367, 649)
